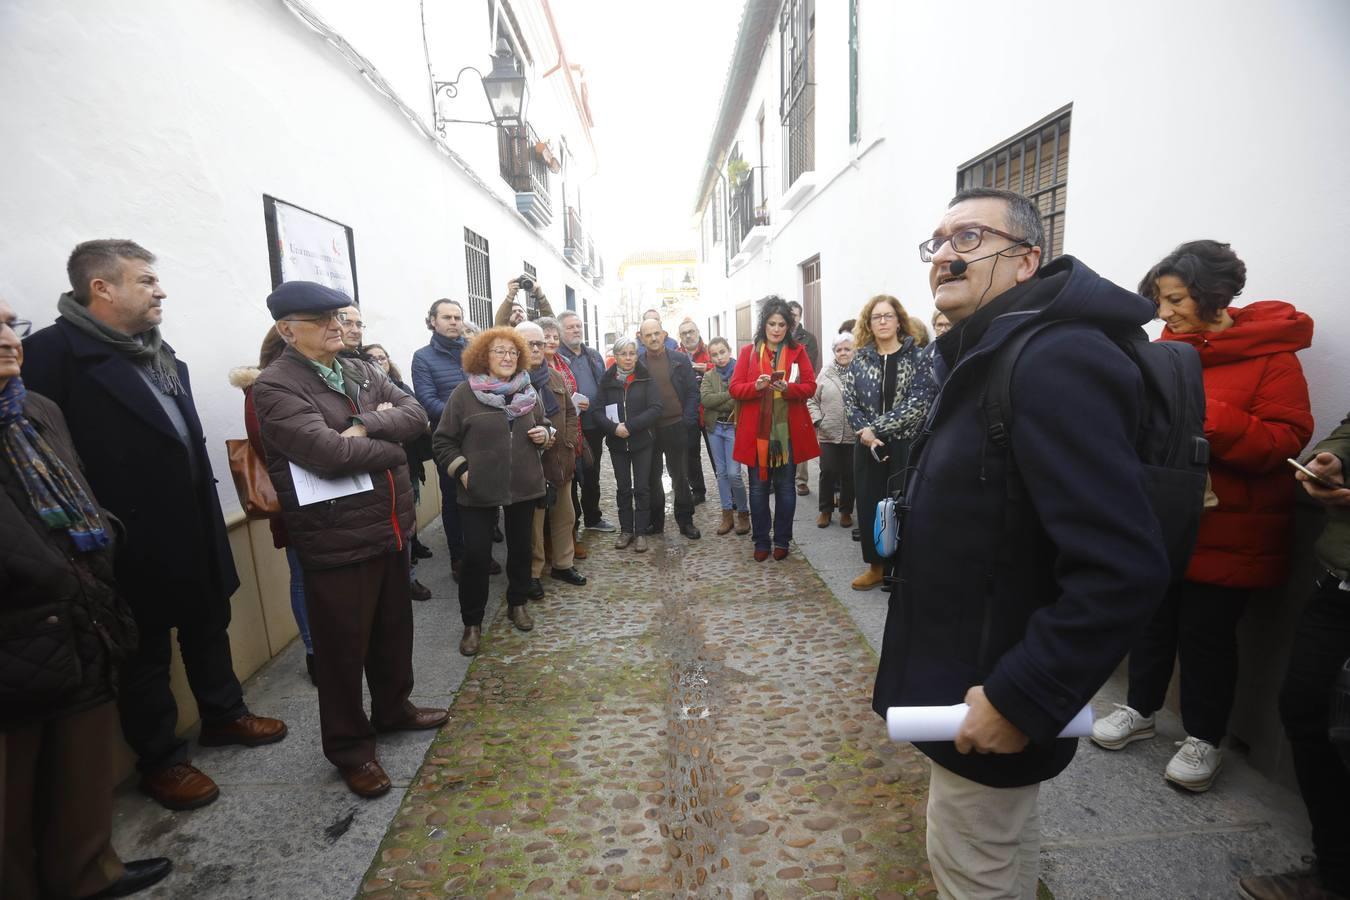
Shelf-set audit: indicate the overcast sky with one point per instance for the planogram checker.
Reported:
(655, 72)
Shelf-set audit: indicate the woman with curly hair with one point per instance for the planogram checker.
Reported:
(490, 438)
(773, 380)
(1256, 414)
(887, 392)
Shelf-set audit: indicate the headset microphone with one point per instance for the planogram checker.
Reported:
(958, 268)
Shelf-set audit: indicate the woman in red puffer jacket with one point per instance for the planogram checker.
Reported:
(1257, 414)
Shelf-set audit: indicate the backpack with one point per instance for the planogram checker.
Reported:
(1171, 440)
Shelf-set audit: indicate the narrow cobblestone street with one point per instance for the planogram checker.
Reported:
(690, 722)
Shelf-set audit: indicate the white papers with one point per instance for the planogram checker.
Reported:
(792, 374)
(940, 723)
(310, 488)
(612, 412)
(577, 397)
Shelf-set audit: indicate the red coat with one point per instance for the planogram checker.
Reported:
(1256, 415)
(742, 388)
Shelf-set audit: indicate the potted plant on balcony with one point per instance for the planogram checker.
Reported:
(545, 151)
(737, 171)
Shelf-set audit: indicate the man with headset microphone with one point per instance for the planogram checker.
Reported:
(1024, 620)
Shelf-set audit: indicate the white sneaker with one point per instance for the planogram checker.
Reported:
(1122, 727)
(1195, 765)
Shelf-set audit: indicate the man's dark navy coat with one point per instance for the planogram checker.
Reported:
(176, 560)
(1042, 619)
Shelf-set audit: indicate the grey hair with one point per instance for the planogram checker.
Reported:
(568, 314)
(101, 259)
(622, 344)
(548, 323)
(527, 326)
(1024, 219)
(840, 338)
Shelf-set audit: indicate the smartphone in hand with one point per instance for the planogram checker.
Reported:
(1314, 477)
(780, 375)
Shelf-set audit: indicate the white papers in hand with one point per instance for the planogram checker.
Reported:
(612, 412)
(940, 723)
(310, 488)
(792, 374)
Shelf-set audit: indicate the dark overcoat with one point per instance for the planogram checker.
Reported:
(176, 562)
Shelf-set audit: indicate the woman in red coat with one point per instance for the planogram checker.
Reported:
(773, 380)
(1256, 415)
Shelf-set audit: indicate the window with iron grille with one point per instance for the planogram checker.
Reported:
(479, 278)
(1034, 164)
(797, 53)
(529, 270)
(571, 298)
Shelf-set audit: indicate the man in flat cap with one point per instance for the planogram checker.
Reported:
(128, 401)
(333, 430)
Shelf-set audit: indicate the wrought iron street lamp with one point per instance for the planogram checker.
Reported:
(504, 86)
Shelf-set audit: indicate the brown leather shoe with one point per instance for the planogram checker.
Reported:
(366, 780)
(423, 719)
(248, 731)
(870, 579)
(579, 551)
(520, 617)
(743, 523)
(823, 520)
(845, 520)
(728, 522)
(803, 490)
(468, 645)
(780, 553)
(183, 786)
(419, 591)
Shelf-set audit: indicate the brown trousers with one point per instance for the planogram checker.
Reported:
(360, 617)
(56, 807)
(562, 534)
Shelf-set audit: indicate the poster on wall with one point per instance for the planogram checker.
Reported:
(305, 246)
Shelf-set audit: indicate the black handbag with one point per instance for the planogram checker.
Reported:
(550, 497)
(38, 660)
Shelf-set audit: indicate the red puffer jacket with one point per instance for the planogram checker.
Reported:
(1257, 414)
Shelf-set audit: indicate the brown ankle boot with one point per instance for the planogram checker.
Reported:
(869, 579)
(728, 522)
(742, 523)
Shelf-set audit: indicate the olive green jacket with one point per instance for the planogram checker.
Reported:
(1333, 546)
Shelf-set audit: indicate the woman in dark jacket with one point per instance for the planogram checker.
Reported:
(1256, 415)
(627, 394)
(58, 605)
(489, 439)
(244, 378)
(887, 392)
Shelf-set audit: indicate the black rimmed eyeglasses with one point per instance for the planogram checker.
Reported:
(21, 327)
(964, 241)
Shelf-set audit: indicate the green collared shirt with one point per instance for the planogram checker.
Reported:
(333, 376)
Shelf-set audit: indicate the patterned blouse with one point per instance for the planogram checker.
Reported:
(914, 391)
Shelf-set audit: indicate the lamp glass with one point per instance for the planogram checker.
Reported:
(505, 88)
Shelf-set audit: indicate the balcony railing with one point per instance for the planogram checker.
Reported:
(574, 238)
(525, 170)
(748, 209)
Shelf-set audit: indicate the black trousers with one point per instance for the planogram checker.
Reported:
(454, 537)
(669, 445)
(632, 481)
(1321, 646)
(477, 523)
(693, 463)
(836, 474)
(872, 481)
(1196, 623)
(586, 484)
(145, 703)
(360, 617)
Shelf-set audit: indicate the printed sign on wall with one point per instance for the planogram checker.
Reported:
(305, 246)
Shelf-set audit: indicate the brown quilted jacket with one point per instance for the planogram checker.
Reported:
(43, 578)
(301, 419)
(560, 460)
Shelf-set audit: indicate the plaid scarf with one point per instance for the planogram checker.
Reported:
(772, 441)
(493, 391)
(56, 496)
(560, 365)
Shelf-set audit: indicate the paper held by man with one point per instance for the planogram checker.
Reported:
(912, 724)
(310, 488)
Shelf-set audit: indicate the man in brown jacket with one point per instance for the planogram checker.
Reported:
(333, 430)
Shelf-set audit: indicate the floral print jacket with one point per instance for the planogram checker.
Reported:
(914, 392)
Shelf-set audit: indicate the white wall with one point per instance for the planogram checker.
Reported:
(166, 123)
(1189, 120)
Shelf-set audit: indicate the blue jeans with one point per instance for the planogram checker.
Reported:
(298, 598)
(782, 484)
(730, 487)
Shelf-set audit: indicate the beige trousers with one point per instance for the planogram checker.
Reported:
(562, 523)
(983, 842)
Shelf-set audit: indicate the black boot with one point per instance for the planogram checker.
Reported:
(139, 875)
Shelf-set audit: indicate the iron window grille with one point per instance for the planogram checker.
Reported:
(1034, 164)
(796, 41)
(479, 272)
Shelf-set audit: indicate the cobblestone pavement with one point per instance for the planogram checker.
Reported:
(692, 723)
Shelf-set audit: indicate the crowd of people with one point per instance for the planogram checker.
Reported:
(1030, 561)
